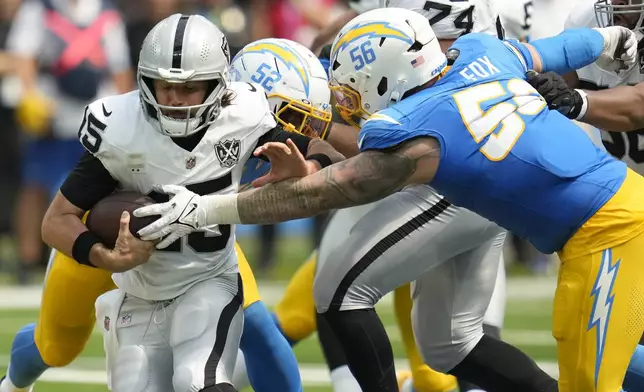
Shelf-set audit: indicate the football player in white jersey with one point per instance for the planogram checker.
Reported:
(602, 13)
(177, 311)
(516, 17)
(355, 271)
(452, 17)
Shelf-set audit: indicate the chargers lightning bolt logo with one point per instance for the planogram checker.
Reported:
(285, 55)
(603, 304)
(370, 30)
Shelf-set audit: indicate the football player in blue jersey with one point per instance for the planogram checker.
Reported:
(618, 109)
(483, 137)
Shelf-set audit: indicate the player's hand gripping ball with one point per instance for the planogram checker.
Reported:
(104, 218)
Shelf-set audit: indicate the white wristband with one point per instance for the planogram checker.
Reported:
(584, 105)
(220, 209)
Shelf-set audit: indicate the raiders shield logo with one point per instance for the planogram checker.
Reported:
(228, 152)
(225, 48)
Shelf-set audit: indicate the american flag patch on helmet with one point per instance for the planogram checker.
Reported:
(418, 61)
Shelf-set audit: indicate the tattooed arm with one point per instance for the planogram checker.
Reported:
(367, 177)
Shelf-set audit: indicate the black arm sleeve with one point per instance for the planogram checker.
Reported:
(88, 183)
(278, 134)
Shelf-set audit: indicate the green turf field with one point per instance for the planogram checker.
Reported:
(528, 321)
(527, 325)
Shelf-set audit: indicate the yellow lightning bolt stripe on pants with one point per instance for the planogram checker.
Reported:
(296, 314)
(599, 302)
(67, 315)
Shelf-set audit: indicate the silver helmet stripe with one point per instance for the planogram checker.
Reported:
(178, 41)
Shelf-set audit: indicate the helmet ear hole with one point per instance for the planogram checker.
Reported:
(415, 47)
(382, 86)
(150, 83)
(151, 110)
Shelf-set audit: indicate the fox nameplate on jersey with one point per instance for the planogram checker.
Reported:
(228, 152)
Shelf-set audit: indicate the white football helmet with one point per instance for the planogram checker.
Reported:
(378, 57)
(295, 82)
(179, 49)
(626, 13)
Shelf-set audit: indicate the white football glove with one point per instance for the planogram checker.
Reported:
(620, 49)
(180, 216)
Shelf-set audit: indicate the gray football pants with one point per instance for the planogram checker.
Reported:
(415, 235)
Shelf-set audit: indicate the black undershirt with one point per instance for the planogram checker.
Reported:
(90, 181)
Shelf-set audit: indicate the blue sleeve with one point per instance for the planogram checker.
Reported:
(509, 55)
(566, 52)
(253, 169)
(381, 134)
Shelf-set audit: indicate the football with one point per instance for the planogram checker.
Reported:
(103, 220)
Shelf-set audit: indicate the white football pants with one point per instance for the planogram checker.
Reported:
(181, 345)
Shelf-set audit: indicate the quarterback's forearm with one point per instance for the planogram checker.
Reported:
(61, 227)
(618, 109)
(367, 177)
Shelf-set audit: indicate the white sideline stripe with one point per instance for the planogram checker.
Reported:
(518, 288)
(312, 375)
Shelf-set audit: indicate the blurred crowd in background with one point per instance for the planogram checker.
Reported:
(56, 56)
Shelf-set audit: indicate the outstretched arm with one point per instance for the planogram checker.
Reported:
(616, 109)
(613, 48)
(619, 109)
(367, 177)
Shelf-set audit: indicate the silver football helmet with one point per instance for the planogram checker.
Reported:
(179, 49)
(625, 13)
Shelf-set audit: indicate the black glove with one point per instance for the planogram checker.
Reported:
(558, 94)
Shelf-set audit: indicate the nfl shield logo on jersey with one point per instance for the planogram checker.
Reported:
(228, 152)
(106, 323)
(191, 162)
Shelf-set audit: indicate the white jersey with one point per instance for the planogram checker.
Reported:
(449, 19)
(516, 16)
(116, 131)
(626, 146)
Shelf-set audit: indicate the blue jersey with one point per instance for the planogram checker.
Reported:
(254, 168)
(503, 155)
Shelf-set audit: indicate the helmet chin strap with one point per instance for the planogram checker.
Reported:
(398, 93)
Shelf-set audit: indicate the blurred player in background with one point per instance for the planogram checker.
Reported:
(69, 52)
(516, 17)
(450, 18)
